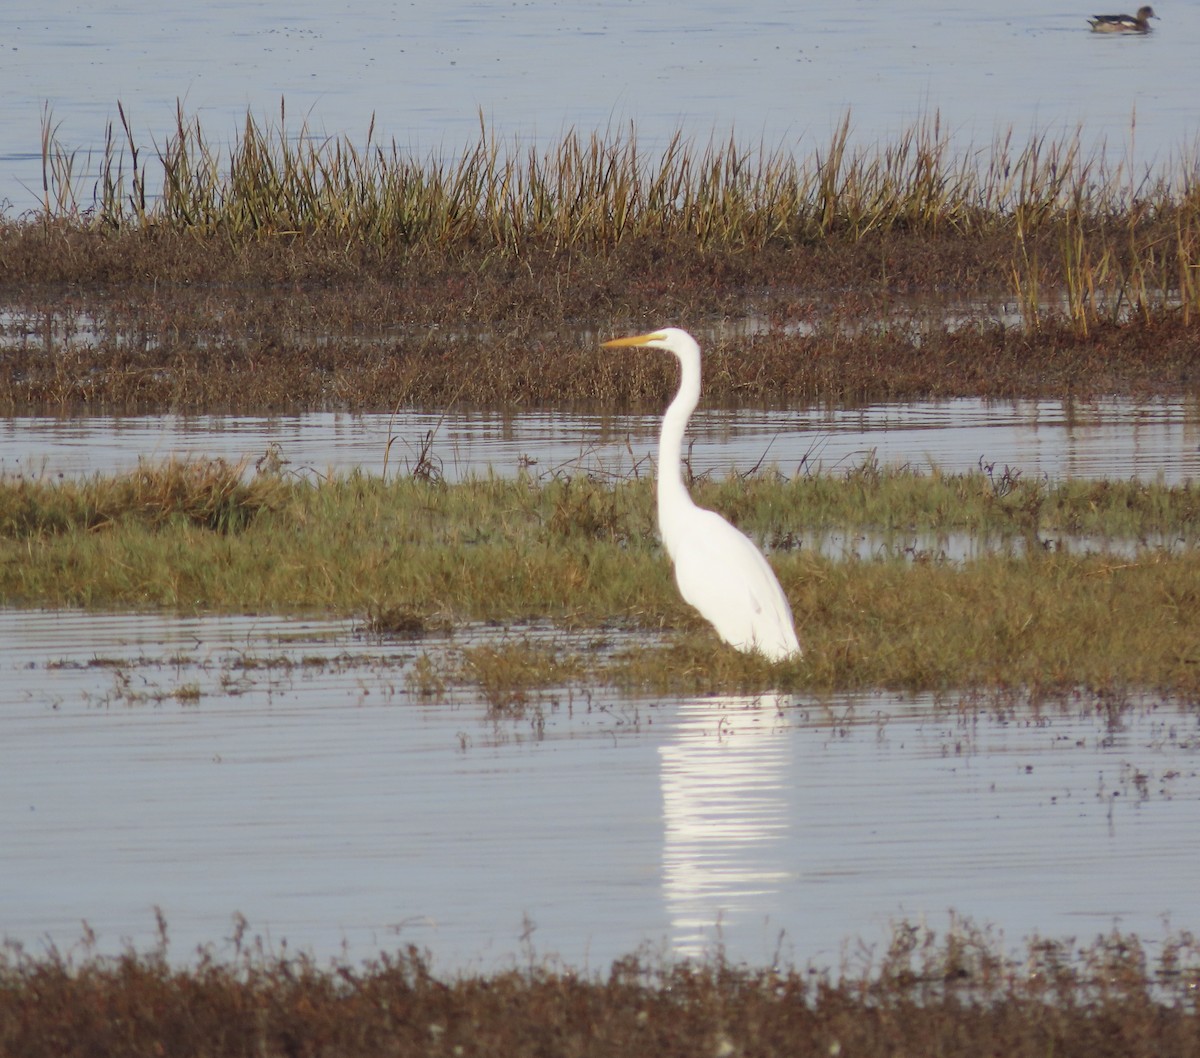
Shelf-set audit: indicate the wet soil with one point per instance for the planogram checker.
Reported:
(150, 321)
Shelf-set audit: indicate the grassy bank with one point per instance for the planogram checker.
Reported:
(960, 994)
(412, 554)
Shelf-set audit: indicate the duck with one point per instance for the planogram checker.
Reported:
(1139, 23)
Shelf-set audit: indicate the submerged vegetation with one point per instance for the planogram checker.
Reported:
(961, 993)
(287, 270)
(1030, 610)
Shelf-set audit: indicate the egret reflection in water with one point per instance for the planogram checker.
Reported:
(725, 816)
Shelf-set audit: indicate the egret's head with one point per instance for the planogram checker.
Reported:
(670, 338)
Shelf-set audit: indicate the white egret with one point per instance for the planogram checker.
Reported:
(718, 569)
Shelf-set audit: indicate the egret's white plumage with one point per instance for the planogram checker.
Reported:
(718, 569)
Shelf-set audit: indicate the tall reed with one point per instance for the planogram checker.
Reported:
(1105, 240)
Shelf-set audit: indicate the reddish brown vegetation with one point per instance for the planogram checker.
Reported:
(147, 321)
(958, 999)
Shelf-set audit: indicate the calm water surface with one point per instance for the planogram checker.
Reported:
(283, 771)
(145, 761)
(1116, 439)
(429, 70)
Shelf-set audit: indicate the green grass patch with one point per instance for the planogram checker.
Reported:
(411, 556)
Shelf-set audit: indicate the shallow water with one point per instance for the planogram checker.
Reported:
(1115, 439)
(431, 70)
(283, 771)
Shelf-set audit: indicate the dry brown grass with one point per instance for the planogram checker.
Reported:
(273, 329)
(592, 192)
(959, 994)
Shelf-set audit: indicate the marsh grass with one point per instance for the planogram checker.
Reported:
(413, 555)
(1088, 239)
(285, 272)
(203, 353)
(510, 676)
(211, 494)
(961, 991)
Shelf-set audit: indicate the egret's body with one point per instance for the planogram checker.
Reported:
(1139, 23)
(718, 569)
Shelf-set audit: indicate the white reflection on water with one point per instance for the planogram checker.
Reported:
(308, 789)
(725, 818)
(1115, 438)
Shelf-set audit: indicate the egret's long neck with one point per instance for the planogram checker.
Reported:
(672, 493)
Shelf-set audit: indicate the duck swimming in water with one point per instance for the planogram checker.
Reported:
(1139, 23)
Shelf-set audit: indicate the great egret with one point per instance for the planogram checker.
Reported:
(718, 570)
(1139, 23)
